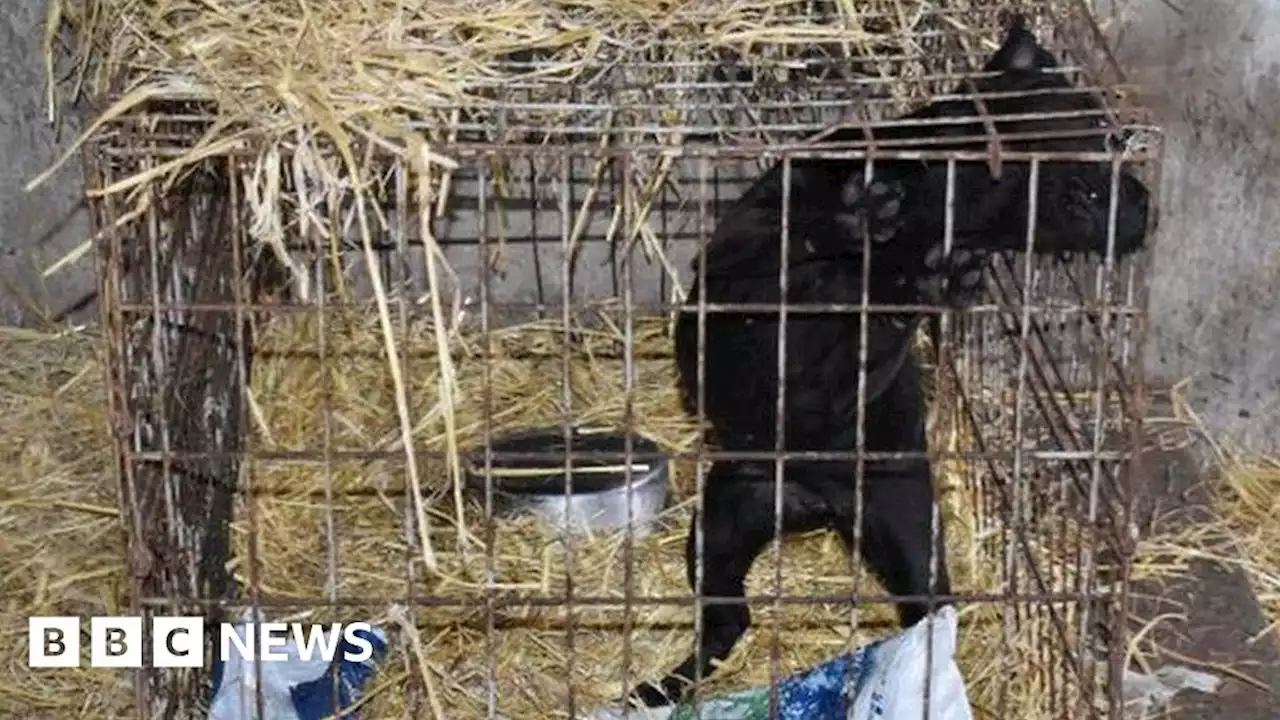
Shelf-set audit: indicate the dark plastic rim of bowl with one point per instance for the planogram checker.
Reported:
(609, 445)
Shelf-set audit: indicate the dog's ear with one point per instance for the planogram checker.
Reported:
(1020, 51)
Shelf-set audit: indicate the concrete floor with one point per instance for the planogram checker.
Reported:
(37, 228)
(1212, 620)
(1220, 624)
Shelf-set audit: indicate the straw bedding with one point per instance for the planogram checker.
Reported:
(73, 564)
(532, 655)
(62, 551)
(61, 545)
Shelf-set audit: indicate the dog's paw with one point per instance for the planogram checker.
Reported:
(874, 207)
(956, 279)
(651, 695)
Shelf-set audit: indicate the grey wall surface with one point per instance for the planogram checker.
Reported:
(38, 228)
(1212, 72)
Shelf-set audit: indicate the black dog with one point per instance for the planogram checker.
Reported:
(832, 211)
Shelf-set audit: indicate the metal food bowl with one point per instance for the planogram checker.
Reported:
(536, 485)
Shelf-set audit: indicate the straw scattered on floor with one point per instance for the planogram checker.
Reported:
(62, 544)
(1250, 501)
(1247, 496)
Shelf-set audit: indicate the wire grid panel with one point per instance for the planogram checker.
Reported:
(566, 236)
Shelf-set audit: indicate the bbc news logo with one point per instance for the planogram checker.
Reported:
(178, 642)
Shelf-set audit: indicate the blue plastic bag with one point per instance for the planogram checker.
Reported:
(884, 680)
(293, 689)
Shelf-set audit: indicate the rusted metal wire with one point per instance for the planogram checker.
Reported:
(182, 282)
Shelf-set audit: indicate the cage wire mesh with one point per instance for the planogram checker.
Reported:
(301, 360)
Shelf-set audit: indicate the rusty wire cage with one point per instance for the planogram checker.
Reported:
(299, 363)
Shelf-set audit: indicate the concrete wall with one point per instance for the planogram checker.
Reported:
(37, 228)
(1212, 74)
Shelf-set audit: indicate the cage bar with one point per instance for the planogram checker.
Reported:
(271, 458)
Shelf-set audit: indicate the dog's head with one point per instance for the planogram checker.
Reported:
(1074, 198)
(1025, 94)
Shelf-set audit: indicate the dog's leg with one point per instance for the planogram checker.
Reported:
(898, 543)
(737, 525)
(897, 538)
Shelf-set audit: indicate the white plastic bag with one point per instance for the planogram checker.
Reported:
(889, 684)
(1145, 696)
